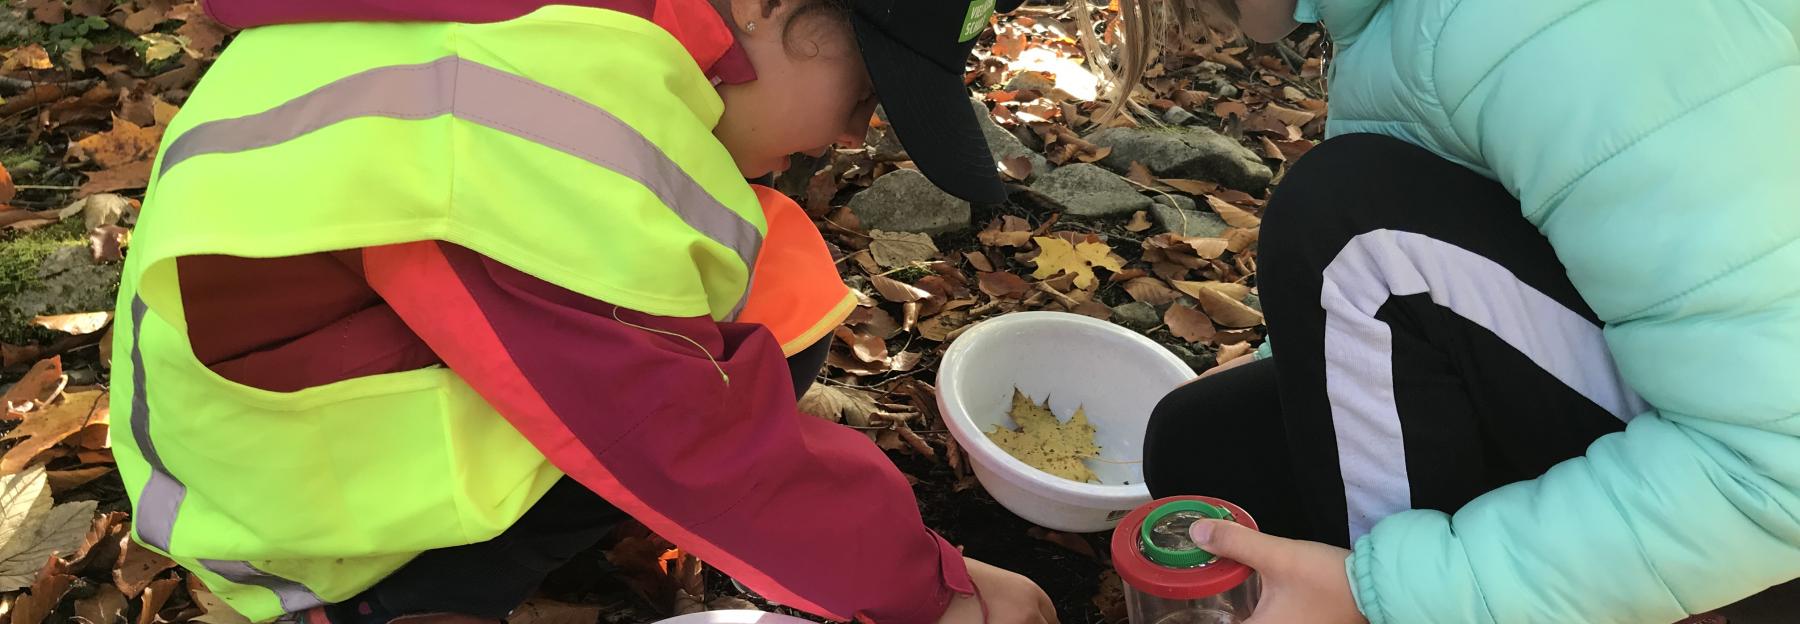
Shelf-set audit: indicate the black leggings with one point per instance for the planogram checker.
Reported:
(1428, 348)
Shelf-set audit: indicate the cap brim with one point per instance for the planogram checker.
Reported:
(929, 109)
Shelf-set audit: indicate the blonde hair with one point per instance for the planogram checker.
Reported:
(1142, 24)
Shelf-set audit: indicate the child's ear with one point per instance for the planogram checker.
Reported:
(748, 15)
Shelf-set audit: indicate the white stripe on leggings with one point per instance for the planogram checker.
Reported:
(1359, 358)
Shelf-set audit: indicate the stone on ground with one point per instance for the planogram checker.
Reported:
(1195, 153)
(1086, 190)
(1185, 221)
(905, 201)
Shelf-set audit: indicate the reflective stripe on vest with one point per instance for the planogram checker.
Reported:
(498, 100)
(160, 501)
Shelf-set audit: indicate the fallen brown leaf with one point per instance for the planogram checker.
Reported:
(132, 175)
(867, 348)
(939, 327)
(880, 324)
(78, 324)
(1008, 231)
(978, 260)
(1094, 309)
(896, 290)
(1151, 290)
(1232, 290)
(155, 596)
(43, 428)
(1290, 116)
(1192, 187)
(1208, 248)
(107, 243)
(1270, 149)
(1140, 221)
(897, 249)
(13, 218)
(1189, 324)
(7, 190)
(30, 56)
(1140, 174)
(1233, 215)
(1227, 311)
(1016, 168)
(1239, 239)
(203, 34)
(50, 12)
(39, 385)
(124, 144)
(53, 580)
(99, 547)
(214, 610)
(64, 480)
(138, 567)
(1003, 284)
(1229, 108)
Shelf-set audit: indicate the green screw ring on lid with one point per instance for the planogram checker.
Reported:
(1177, 549)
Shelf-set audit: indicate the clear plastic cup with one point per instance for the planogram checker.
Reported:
(1170, 580)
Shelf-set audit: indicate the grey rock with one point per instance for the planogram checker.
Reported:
(1137, 315)
(1253, 301)
(904, 201)
(1177, 201)
(1193, 153)
(1188, 222)
(1178, 116)
(67, 282)
(1217, 85)
(1003, 145)
(1030, 80)
(1086, 190)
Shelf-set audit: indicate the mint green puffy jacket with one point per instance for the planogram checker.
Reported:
(1656, 143)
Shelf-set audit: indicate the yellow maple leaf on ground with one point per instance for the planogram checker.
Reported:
(1057, 255)
(1047, 444)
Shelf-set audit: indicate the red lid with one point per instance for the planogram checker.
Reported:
(1155, 579)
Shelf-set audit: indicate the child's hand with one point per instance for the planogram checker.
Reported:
(1009, 598)
(1302, 582)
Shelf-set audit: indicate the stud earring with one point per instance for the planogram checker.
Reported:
(750, 27)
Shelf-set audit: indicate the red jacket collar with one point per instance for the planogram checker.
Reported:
(694, 23)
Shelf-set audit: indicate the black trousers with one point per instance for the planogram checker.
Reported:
(1428, 347)
(489, 579)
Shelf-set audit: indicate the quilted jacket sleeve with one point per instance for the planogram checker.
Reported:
(1643, 143)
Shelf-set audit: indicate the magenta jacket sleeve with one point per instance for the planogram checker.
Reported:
(688, 425)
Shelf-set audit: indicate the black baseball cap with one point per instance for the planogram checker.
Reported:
(915, 51)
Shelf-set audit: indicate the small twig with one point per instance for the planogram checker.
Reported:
(46, 187)
(1066, 300)
(21, 85)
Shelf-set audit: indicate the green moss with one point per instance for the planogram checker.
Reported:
(23, 160)
(911, 274)
(20, 258)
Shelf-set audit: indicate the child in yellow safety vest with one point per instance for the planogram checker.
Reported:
(427, 294)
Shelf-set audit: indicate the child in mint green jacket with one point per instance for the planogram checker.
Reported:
(1536, 308)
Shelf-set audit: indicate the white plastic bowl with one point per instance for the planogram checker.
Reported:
(1077, 361)
(734, 616)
